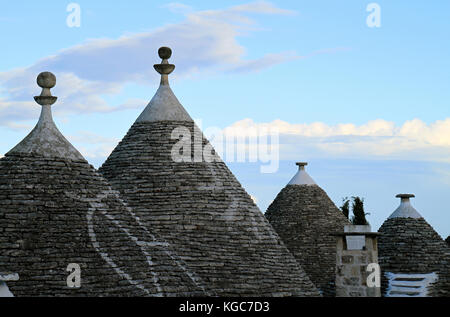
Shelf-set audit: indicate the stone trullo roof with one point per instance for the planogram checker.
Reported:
(197, 204)
(305, 218)
(410, 246)
(56, 210)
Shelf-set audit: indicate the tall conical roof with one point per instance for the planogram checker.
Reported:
(58, 214)
(164, 106)
(409, 245)
(197, 205)
(305, 217)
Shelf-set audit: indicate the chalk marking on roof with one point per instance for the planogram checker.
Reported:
(179, 262)
(141, 244)
(230, 214)
(108, 260)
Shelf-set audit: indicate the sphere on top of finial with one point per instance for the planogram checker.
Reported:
(165, 52)
(46, 80)
(164, 68)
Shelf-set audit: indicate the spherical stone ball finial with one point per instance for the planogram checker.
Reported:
(165, 52)
(46, 80)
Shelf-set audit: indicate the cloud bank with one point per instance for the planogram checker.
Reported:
(99, 67)
(377, 139)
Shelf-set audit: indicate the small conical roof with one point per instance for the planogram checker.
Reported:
(45, 140)
(305, 218)
(194, 201)
(164, 106)
(58, 215)
(302, 177)
(409, 245)
(405, 210)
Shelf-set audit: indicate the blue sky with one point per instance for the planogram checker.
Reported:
(367, 107)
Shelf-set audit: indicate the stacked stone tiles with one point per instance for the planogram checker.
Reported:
(198, 206)
(56, 210)
(409, 245)
(305, 218)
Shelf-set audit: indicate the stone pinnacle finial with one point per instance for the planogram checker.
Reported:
(405, 210)
(164, 68)
(46, 81)
(302, 177)
(405, 196)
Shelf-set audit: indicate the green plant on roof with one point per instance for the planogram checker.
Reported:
(359, 215)
(345, 207)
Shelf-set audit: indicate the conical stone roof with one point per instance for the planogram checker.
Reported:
(197, 204)
(57, 213)
(305, 218)
(409, 245)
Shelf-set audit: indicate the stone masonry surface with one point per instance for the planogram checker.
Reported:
(351, 272)
(204, 213)
(412, 246)
(54, 212)
(305, 218)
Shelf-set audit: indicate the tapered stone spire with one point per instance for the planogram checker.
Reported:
(302, 177)
(46, 140)
(405, 210)
(164, 106)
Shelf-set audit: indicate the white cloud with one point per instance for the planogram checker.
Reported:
(178, 7)
(261, 7)
(206, 41)
(413, 140)
(255, 200)
(93, 146)
(91, 138)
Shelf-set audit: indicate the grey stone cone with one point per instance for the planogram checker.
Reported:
(305, 217)
(410, 245)
(45, 139)
(56, 210)
(201, 209)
